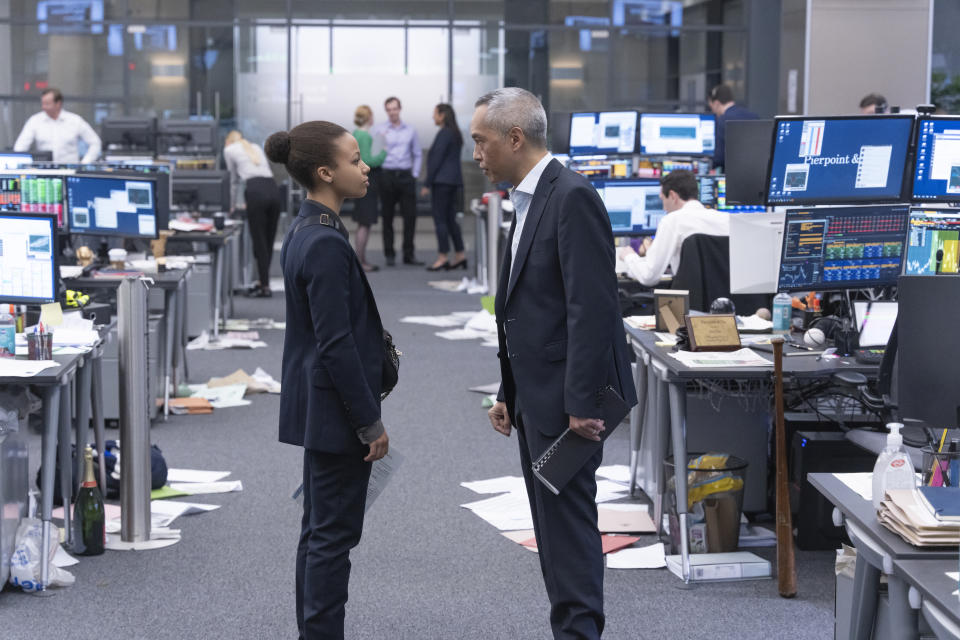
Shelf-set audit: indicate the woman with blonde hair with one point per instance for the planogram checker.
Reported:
(252, 188)
(366, 210)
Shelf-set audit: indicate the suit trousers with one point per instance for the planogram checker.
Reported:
(568, 540)
(334, 498)
(263, 213)
(398, 186)
(444, 199)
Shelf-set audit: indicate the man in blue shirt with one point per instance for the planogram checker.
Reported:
(726, 109)
(398, 182)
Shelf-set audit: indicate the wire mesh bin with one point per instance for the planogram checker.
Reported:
(715, 483)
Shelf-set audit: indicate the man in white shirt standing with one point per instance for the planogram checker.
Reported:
(56, 129)
(685, 217)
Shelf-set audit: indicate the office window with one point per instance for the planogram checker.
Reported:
(427, 51)
(368, 50)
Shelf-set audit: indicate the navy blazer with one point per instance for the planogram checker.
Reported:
(333, 347)
(558, 316)
(443, 159)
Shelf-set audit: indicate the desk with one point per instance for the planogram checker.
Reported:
(217, 242)
(932, 592)
(173, 284)
(662, 388)
(878, 549)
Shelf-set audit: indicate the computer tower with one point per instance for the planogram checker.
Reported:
(820, 452)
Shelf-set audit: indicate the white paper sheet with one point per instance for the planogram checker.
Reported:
(608, 490)
(652, 557)
(435, 321)
(195, 475)
(63, 559)
(506, 512)
(197, 488)
(641, 322)
(381, 474)
(709, 359)
(493, 387)
(462, 334)
(504, 484)
(10, 368)
(753, 323)
(862, 483)
(619, 473)
(223, 397)
(755, 536)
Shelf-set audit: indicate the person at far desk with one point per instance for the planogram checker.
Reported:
(685, 217)
(725, 108)
(57, 130)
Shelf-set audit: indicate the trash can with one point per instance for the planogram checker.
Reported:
(715, 484)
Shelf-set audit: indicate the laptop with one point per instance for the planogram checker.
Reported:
(875, 321)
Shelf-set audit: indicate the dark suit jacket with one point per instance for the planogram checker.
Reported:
(332, 351)
(443, 159)
(558, 316)
(734, 112)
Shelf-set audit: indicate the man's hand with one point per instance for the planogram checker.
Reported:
(589, 428)
(624, 252)
(646, 245)
(499, 418)
(424, 192)
(378, 448)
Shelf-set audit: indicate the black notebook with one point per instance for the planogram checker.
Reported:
(570, 452)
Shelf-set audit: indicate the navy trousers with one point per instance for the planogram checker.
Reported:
(334, 497)
(571, 555)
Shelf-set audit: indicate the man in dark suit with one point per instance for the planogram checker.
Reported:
(561, 341)
(725, 108)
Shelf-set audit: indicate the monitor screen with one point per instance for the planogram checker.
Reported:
(931, 232)
(634, 206)
(200, 190)
(936, 172)
(708, 191)
(875, 321)
(605, 168)
(685, 134)
(192, 136)
(723, 200)
(14, 160)
(838, 159)
(603, 132)
(831, 248)
(112, 206)
(28, 258)
(32, 193)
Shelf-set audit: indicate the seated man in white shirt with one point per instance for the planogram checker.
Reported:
(58, 130)
(685, 217)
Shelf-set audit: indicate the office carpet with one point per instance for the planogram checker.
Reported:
(425, 569)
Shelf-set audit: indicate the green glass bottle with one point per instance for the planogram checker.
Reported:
(88, 513)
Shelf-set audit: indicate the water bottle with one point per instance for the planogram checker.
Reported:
(893, 469)
(8, 332)
(782, 310)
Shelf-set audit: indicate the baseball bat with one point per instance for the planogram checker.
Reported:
(786, 567)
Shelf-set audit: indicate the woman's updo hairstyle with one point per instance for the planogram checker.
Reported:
(304, 149)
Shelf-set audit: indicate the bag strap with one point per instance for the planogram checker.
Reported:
(326, 220)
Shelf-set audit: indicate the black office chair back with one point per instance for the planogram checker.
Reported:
(704, 271)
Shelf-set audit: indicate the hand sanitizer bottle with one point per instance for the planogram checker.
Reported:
(893, 470)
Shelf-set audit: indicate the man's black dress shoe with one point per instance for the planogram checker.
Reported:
(414, 262)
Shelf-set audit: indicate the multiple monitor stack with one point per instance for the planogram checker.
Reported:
(139, 135)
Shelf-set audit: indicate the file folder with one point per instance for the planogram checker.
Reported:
(570, 452)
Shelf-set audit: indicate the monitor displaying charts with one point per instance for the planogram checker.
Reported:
(833, 248)
(28, 258)
(634, 206)
(598, 132)
(933, 243)
(682, 134)
(112, 206)
(936, 172)
(838, 159)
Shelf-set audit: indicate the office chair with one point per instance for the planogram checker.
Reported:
(704, 271)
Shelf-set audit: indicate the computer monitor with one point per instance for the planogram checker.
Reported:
(755, 242)
(936, 171)
(201, 190)
(875, 321)
(129, 133)
(14, 160)
(836, 248)
(596, 132)
(931, 232)
(682, 134)
(723, 201)
(708, 191)
(112, 206)
(187, 136)
(602, 168)
(28, 258)
(746, 156)
(838, 159)
(32, 193)
(634, 206)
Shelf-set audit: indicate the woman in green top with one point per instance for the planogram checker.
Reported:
(366, 209)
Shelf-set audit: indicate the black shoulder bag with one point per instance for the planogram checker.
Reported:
(391, 355)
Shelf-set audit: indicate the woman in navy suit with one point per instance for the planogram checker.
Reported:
(332, 367)
(444, 182)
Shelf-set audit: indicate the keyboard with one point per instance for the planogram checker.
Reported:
(869, 355)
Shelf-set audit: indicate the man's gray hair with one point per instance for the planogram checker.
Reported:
(515, 107)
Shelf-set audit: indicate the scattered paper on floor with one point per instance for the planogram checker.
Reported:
(625, 518)
(504, 484)
(652, 557)
(198, 488)
(195, 475)
(619, 473)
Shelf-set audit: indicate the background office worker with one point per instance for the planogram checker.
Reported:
(725, 108)
(332, 368)
(366, 210)
(57, 130)
(685, 217)
(873, 103)
(253, 189)
(561, 341)
(444, 181)
(401, 168)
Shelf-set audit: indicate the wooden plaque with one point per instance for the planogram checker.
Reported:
(713, 332)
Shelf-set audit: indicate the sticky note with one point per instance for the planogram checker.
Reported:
(51, 315)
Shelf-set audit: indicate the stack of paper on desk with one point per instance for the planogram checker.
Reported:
(739, 358)
(903, 513)
(641, 322)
